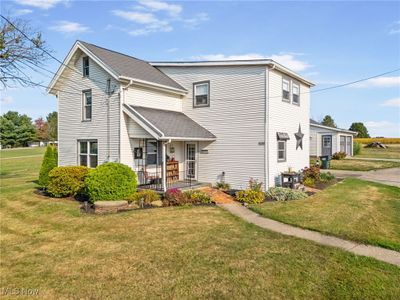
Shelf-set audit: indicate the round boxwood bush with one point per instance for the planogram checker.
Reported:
(66, 181)
(110, 181)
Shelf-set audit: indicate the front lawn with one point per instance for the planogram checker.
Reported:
(362, 165)
(177, 252)
(352, 209)
(18, 152)
(393, 151)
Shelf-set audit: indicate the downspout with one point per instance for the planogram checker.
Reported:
(121, 119)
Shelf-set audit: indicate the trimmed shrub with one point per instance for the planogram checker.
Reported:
(49, 162)
(285, 194)
(67, 181)
(356, 148)
(250, 196)
(147, 196)
(197, 197)
(312, 172)
(175, 197)
(310, 182)
(110, 181)
(326, 177)
(222, 186)
(339, 155)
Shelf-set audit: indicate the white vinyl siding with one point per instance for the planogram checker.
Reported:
(140, 96)
(71, 128)
(286, 118)
(235, 117)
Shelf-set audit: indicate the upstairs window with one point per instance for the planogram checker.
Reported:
(85, 66)
(87, 105)
(285, 90)
(296, 93)
(201, 94)
(88, 153)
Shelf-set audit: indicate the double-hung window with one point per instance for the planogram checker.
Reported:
(295, 93)
(281, 150)
(201, 94)
(88, 153)
(87, 105)
(85, 66)
(285, 90)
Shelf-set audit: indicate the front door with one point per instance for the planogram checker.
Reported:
(190, 161)
(326, 145)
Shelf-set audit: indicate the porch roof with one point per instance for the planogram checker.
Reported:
(167, 124)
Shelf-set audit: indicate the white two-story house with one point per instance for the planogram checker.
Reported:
(180, 122)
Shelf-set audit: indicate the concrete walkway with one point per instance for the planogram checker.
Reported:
(373, 159)
(386, 176)
(388, 256)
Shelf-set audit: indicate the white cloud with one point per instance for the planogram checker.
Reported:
(43, 4)
(70, 27)
(7, 100)
(388, 81)
(196, 20)
(383, 128)
(138, 17)
(287, 60)
(395, 102)
(157, 16)
(394, 28)
(172, 9)
(21, 12)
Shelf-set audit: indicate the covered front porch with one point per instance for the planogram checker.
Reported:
(165, 148)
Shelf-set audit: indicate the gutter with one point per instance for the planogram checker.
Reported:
(162, 87)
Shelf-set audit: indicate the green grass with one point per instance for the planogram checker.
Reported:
(353, 209)
(17, 152)
(393, 151)
(362, 165)
(189, 252)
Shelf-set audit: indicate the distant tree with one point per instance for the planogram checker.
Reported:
(41, 129)
(360, 128)
(52, 121)
(18, 54)
(328, 121)
(16, 130)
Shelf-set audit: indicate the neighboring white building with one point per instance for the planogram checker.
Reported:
(211, 121)
(325, 140)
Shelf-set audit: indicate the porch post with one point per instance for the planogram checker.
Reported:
(164, 166)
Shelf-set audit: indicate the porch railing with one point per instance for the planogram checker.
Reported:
(153, 180)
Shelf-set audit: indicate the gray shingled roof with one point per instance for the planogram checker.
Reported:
(125, 65)
(173, 124)
(313, 122)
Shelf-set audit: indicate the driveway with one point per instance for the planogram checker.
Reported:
(387, 176)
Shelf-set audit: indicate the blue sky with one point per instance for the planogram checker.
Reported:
(327, 42)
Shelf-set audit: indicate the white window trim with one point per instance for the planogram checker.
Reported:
(299, 93)
(84, 106)
(289, 91)
(284, 151)
(88, 154)
(195, 105)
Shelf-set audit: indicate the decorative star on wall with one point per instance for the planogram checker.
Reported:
(299, 138)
